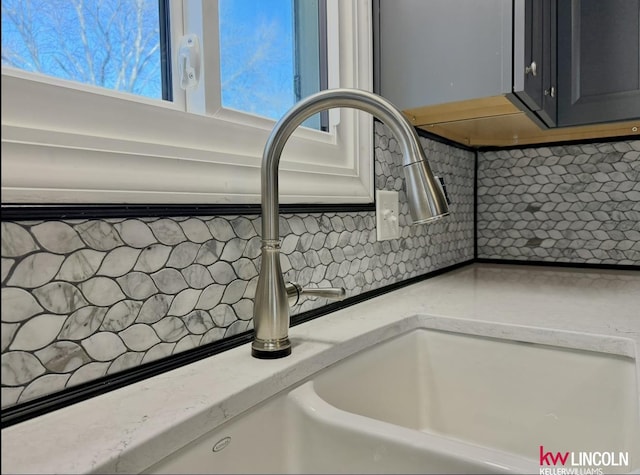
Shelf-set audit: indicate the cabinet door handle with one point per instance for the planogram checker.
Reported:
(550, 92)
(531, 69)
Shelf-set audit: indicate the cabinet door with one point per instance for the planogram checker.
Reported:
(535, 57)
(549, 108)
(531, 92)
(598, 61)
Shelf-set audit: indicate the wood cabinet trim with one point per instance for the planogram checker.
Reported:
(484, 122)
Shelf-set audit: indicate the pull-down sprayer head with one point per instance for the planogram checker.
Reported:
(425, 203)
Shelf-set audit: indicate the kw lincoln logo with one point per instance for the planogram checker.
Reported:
(580, 463)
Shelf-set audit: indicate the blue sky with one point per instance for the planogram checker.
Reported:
(257, 64)
(256, 38)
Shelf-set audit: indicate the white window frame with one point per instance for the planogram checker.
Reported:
(64, 143)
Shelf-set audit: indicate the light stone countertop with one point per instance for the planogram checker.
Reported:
(125, 431)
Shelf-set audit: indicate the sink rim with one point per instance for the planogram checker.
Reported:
(493, 458)
(545, 339)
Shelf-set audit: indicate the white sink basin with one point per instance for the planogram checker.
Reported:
(254, 442)
(433, 402)
(299, 433)
(501, 394)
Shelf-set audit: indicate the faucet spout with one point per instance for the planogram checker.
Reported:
(424, 192)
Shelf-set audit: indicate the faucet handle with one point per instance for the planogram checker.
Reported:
(295, 292)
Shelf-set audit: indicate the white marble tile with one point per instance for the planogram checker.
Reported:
(16, 240)
(88, 372)
(43, 385)
(62, 356)
(38, 332)
(244, 309)
(35, 270)
(311, 224)
(245, 269)
(233, 249)
(234, 291)
(221, 229)
(10, 395)
(121, 315)
(137, 285)
(135, 233)
(153, 258)
(297, 225)
(104, 346)
(155, 308)
(139, 337)
(236, 327)
(196, 230)
(7, 333)
(81, 265)
(20, 367)
(223, 315)
(250, 291)
(125, 361)
(198, 322)
(212, 335)
(58, 237)
(210, 297)
(167, 231)
(289, 243)
(188, 342)
(169, 281)
(197, 276)
(5, 267)
(252, 251)
(243, 228)
(209, 252)
(60, 297)
(222, 272)
(18, 305)
(170, 329)
(101, 291)
(184, 302)
(119, 261)
(99, 235)
(161, 350)
(183, 255)
(82, 323)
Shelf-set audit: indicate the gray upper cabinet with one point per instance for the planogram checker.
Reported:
(562, 62)
(438, 51)
(598, 61)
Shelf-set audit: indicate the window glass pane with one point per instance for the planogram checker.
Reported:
(109, 43)
(269, 55)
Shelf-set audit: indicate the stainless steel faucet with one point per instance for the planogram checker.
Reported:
(424, 193)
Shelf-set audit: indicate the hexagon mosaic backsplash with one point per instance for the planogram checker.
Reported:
(566, 203)
(82, 299)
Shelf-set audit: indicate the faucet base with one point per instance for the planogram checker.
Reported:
(271, 349)
(270, 354)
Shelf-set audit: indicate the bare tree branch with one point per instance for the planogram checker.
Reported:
(109, 43)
